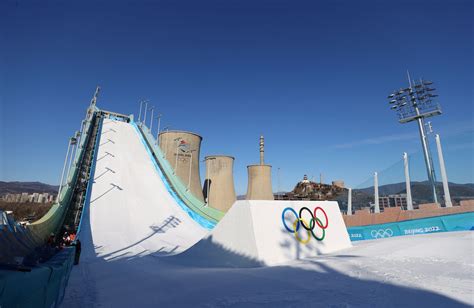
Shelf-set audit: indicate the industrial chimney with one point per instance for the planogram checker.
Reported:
(219, 184)
(260, 178)
(181, 149)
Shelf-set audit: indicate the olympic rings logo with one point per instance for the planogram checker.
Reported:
(381, 233)
(313, 222)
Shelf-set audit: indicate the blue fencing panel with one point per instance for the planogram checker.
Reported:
(421, 226)
(459, 222)
(455, 222)
(373, 232)
(43, 286)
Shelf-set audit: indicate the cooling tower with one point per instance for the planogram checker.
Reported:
(219, 176)
(260, 182)
(260, 179)
(181, 149)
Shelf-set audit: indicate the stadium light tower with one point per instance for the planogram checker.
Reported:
(416, 103)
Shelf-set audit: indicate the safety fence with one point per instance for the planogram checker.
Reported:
(446, 223)
(40, 286)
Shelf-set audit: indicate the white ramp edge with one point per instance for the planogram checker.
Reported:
(254, 230)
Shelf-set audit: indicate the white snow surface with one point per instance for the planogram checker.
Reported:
(430, 270)
(131, 211)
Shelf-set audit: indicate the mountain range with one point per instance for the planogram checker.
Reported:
(421, 192)
(28, 187)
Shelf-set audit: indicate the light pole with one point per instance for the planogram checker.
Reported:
(140, 113)
(77, 136)
(407, 182)
(416, 103)
(376, 193)
(64, 169)
(208, 179)
(144, 115)
(190, 165)
(73, 142)
(158, 131)
(81, 133)
(94, 98)
(151, 118)
(444, 176)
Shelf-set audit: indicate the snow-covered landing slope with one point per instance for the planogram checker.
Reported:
(131, 211)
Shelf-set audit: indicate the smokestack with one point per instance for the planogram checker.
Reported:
(181, 150)
(260, 179)
(219, 184)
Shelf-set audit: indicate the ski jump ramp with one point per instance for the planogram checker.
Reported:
(133, 212)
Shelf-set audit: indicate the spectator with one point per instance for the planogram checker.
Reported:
(78, 252)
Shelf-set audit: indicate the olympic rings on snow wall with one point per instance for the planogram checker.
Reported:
(314, 223)
(446, 223)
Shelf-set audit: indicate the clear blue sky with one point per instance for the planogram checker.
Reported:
(311, 76)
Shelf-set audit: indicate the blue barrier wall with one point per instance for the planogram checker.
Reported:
(455, 222)
(43, 286)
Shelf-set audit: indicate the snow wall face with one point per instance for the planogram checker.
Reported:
(264, 230)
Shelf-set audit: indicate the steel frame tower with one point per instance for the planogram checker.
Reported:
(416, 103)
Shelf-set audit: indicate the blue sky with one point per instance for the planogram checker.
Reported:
(311, 76)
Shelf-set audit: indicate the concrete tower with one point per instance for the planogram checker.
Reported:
(219, 184)
(181, 149)
(260, 179)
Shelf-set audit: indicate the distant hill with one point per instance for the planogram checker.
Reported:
(421, 193)
(29, 187)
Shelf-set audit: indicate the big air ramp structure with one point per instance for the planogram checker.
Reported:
(134, 211)
(136, 208)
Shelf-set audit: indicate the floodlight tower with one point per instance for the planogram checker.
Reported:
(416, 103)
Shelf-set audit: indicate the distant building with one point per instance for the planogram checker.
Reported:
(26, 197)
(308, 190)
(393, 201)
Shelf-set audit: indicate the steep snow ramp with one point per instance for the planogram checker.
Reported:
(263, 232)
(132, 210)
